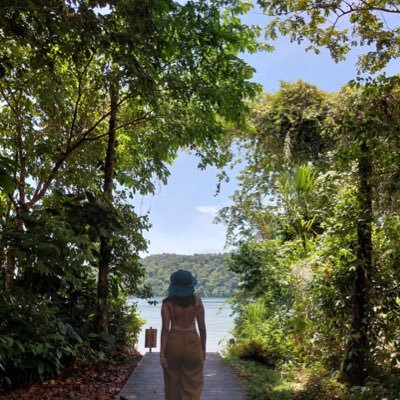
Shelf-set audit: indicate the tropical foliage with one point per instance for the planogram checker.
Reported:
(321, 186)
(96, 99)
(315, 221)
(339, 26)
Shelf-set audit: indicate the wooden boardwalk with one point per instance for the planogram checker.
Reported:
(146, 382)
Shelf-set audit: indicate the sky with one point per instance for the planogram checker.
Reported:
(183, 211)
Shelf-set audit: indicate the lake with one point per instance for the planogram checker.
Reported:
(218, 321)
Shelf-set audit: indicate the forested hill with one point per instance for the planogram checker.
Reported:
(214, 279)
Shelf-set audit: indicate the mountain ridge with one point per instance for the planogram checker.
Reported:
(213, 277)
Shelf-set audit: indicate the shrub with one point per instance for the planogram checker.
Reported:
(259, 337)
(33, 340)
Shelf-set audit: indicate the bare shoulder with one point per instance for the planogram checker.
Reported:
(199, 301)
(165, 304)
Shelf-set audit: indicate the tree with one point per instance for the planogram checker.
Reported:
(335, 205)
(339, 26)
(367, 133)
(97, 97)
(180, 103)
(105, 244)
(57, 105)
(285, 131)
(370, 24)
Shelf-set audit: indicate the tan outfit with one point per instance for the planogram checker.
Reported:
(183, 378)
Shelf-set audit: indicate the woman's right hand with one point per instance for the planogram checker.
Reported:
(163, 362)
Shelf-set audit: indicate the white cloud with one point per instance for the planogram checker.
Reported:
(211, 210)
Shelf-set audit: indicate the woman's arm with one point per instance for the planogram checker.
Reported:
(166, 320)
(201, 322)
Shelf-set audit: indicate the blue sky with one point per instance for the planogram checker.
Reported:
(183, 211)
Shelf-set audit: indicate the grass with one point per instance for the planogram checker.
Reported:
(263, 383)
(306, 383)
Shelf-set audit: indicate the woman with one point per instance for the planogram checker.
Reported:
(182, 351)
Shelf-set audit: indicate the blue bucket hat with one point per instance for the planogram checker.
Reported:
(182, 283)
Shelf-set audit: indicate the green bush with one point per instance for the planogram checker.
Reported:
(39, 336)
(49, 320)
(34, 342)
(262, 338)
(125, 323)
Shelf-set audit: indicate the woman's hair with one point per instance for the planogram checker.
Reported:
(182, 301)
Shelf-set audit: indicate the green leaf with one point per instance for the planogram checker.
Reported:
(40, 367)
(73, 333)
(108, 338)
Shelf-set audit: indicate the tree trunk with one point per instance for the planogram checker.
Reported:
(10, 269)
(354, 366)
(10, 260)
(105, 248)
(20, 160)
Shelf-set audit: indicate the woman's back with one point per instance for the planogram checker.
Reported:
(183, 316)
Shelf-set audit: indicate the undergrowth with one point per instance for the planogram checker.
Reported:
(290, 382)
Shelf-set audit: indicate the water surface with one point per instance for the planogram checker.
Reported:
(218, 321)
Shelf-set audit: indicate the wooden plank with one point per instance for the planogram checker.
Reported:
(146, 382)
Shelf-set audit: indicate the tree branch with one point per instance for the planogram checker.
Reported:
(71, 131)
(7, 101)
(351, 9)
(137, 121)
(43, 186)
(15, 204)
